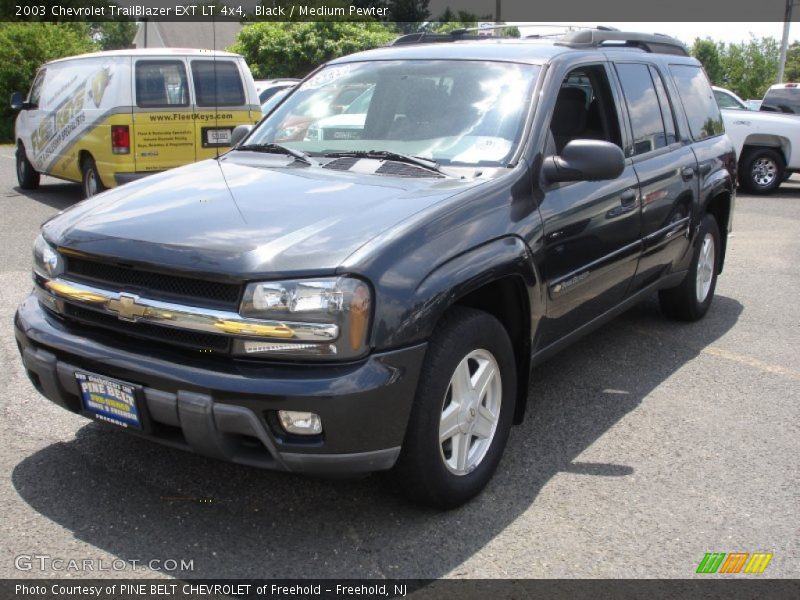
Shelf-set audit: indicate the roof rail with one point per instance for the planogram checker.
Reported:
(426, 37)
(649, 42)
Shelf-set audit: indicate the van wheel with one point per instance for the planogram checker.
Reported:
(92, 183)
(27, 177)
(761, 170)
(691, 299)
(462, 412)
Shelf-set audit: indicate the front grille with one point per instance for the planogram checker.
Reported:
(190, 291)
(195, 340)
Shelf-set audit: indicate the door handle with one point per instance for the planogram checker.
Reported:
(628, 198)
(687, 173)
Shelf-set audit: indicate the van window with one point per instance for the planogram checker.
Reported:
(217, 83)
(698, 100)
(36, 88)
(161, 83)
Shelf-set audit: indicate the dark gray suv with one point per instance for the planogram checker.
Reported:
(371, 292)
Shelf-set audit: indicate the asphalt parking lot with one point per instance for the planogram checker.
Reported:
(645, 445)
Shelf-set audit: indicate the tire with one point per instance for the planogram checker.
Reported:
(430, 471)
(761, 170)
(691, 300)
(27, 177)
(90, 179)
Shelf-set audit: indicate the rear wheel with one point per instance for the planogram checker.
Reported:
(27, 177)
(462, 412)
(691, 299)
(761, 170)
(91, 181)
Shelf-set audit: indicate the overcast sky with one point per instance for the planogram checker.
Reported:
(687, 32)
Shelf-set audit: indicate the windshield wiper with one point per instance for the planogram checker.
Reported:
(389, 155)
(274, 148)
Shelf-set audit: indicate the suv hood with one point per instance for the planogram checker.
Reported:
(245, 215)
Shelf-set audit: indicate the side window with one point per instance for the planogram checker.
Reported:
(217, 83)
(643, 108)
(36, 88)
(727, 101)
(161, 83)
(666, 108)
(698, 101)
(584, 109)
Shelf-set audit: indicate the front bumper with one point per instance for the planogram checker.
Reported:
(224, 408)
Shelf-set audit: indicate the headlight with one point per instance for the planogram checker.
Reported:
(340, 301)
(47, 262)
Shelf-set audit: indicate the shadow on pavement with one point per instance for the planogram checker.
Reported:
(59, 195)
(139, 501)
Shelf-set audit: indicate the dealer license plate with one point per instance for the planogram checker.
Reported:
(110, 400)
(218, 136)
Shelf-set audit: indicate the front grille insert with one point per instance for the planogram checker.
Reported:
(199, 341)
(120, 278)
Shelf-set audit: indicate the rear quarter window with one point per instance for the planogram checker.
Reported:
(697, 98)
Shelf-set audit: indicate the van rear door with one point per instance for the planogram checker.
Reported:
(164, 135)
(221, 101)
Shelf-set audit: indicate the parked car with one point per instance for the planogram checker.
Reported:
(764, 143)
(267, 87)
(108, 118)
(344, 306)
(753, 104)
(727, 99)
(782, 98)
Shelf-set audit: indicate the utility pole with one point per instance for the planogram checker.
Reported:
(787, 20)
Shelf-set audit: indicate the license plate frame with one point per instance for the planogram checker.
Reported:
(111, 400)
(216, 137)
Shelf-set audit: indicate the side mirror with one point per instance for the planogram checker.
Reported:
(239, 133)
(17, 103)
(585, 160)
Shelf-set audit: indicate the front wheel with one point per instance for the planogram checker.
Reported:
(27, 177)
(761, 170)
(462, 412)
(91, 181)
(691, 300)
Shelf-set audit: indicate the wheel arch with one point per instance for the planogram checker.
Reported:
(776, 142)
(720, 206)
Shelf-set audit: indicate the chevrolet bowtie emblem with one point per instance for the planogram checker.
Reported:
(126, 307)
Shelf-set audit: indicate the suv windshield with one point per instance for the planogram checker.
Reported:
(451, 112)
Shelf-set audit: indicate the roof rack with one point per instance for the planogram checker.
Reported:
(426, 37)
(649, 42)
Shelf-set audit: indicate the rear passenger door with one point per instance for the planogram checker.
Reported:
(162, 114)
(665, 166)
(220, 104)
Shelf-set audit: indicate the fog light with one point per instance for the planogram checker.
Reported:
(300, 423)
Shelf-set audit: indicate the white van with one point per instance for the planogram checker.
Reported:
(107, 118)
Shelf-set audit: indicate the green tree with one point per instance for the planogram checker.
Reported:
(707, 52)
(114, 35)
(791, 71)
(408, 15)
(294, 49)
(749, 68)
(23, 49)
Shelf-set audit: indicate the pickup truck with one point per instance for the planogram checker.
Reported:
(766, 146)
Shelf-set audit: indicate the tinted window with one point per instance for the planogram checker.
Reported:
(698, 101)
(36, 88)
(217, 83)
(161, 83)
(643, 108)
(786, 101)
(666, 108)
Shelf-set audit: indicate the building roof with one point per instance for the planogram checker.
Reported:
(200, 34)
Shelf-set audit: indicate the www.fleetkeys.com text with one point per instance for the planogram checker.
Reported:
(211, 11)
(211, 590)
